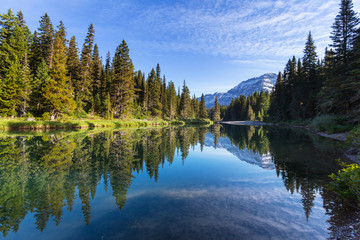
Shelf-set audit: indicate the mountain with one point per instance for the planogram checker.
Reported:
(264, 161)
(265, 82)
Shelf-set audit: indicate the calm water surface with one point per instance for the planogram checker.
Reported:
(229, 182)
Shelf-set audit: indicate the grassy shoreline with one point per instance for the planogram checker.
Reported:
(20, 124)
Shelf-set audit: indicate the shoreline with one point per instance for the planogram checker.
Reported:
(350, 152)
(25, 125)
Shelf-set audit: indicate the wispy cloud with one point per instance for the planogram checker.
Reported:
(237, 28)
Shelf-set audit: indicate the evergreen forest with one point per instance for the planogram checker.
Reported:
(44, 74)
(309, 87)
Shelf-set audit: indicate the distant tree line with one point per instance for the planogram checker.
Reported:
(310, 86)
(253, 107)
(44, 74)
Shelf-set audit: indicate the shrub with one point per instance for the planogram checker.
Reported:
(346, 183)
(46, 116)
(354, 137)
(330, 124)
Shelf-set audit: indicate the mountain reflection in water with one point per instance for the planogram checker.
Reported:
(45, 177)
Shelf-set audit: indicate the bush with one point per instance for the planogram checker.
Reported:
(346, 183)
(353, 138)
(330, 124)
(46, 116)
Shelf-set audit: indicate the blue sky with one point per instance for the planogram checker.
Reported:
(212, 44)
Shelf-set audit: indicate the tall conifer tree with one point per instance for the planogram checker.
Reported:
(310, 76)
(58, 92)
(216, 111)
(172, 101)
(46, 39)
(154, 90)
(337, 90)
(73, 62)
(96, 67)
(202, 108)
(9, 90)
(83, 86)
(122, 84)
(185, 103)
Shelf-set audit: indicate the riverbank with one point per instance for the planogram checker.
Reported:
(32, 124)
(350, 152)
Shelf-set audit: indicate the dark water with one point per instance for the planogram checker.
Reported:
(230, 182)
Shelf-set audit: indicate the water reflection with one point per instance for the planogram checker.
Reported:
(43, 174)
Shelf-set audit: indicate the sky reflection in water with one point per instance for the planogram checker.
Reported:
(258, 183)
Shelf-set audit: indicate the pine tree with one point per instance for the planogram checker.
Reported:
(310, 78)
(108, 110)
(35, 54)
(202, 108)
(96, 67)
(154, 90)
(106, 86)
(26, 88)
(41, 79)
(353, 80)
(344, 32)
(216, 111)
(73, 62)
(13, 41)
(195, 107)
(46, 39)
(122, 85)
(250, 113)
(142, 93)
(164, 98)
(172, 101)
(9, 90)
(57, 92)
(338, 87)
(185, 103)
(82, 87)
(277, 101)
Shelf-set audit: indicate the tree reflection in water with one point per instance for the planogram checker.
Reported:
(41, 174)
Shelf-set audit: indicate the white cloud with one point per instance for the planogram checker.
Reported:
(251, 28)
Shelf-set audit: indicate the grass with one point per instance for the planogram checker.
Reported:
(71, 123)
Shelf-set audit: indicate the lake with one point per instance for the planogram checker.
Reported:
(222, 182)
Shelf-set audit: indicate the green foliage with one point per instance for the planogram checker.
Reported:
(346, 183)
(216, 112)
(57, 92)
(185, 109)
(9, 90)
(46, 116)
(330, 124)
(154, 87)
(202, 108)
(82, 86)
(122, 84)
(41, 73)
(46, 40)
(254, 107)
(354, 137)
(73, 63)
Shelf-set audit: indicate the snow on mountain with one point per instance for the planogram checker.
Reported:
(265, 82)
(264, 161)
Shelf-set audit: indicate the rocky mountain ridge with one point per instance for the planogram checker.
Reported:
(265, 82)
